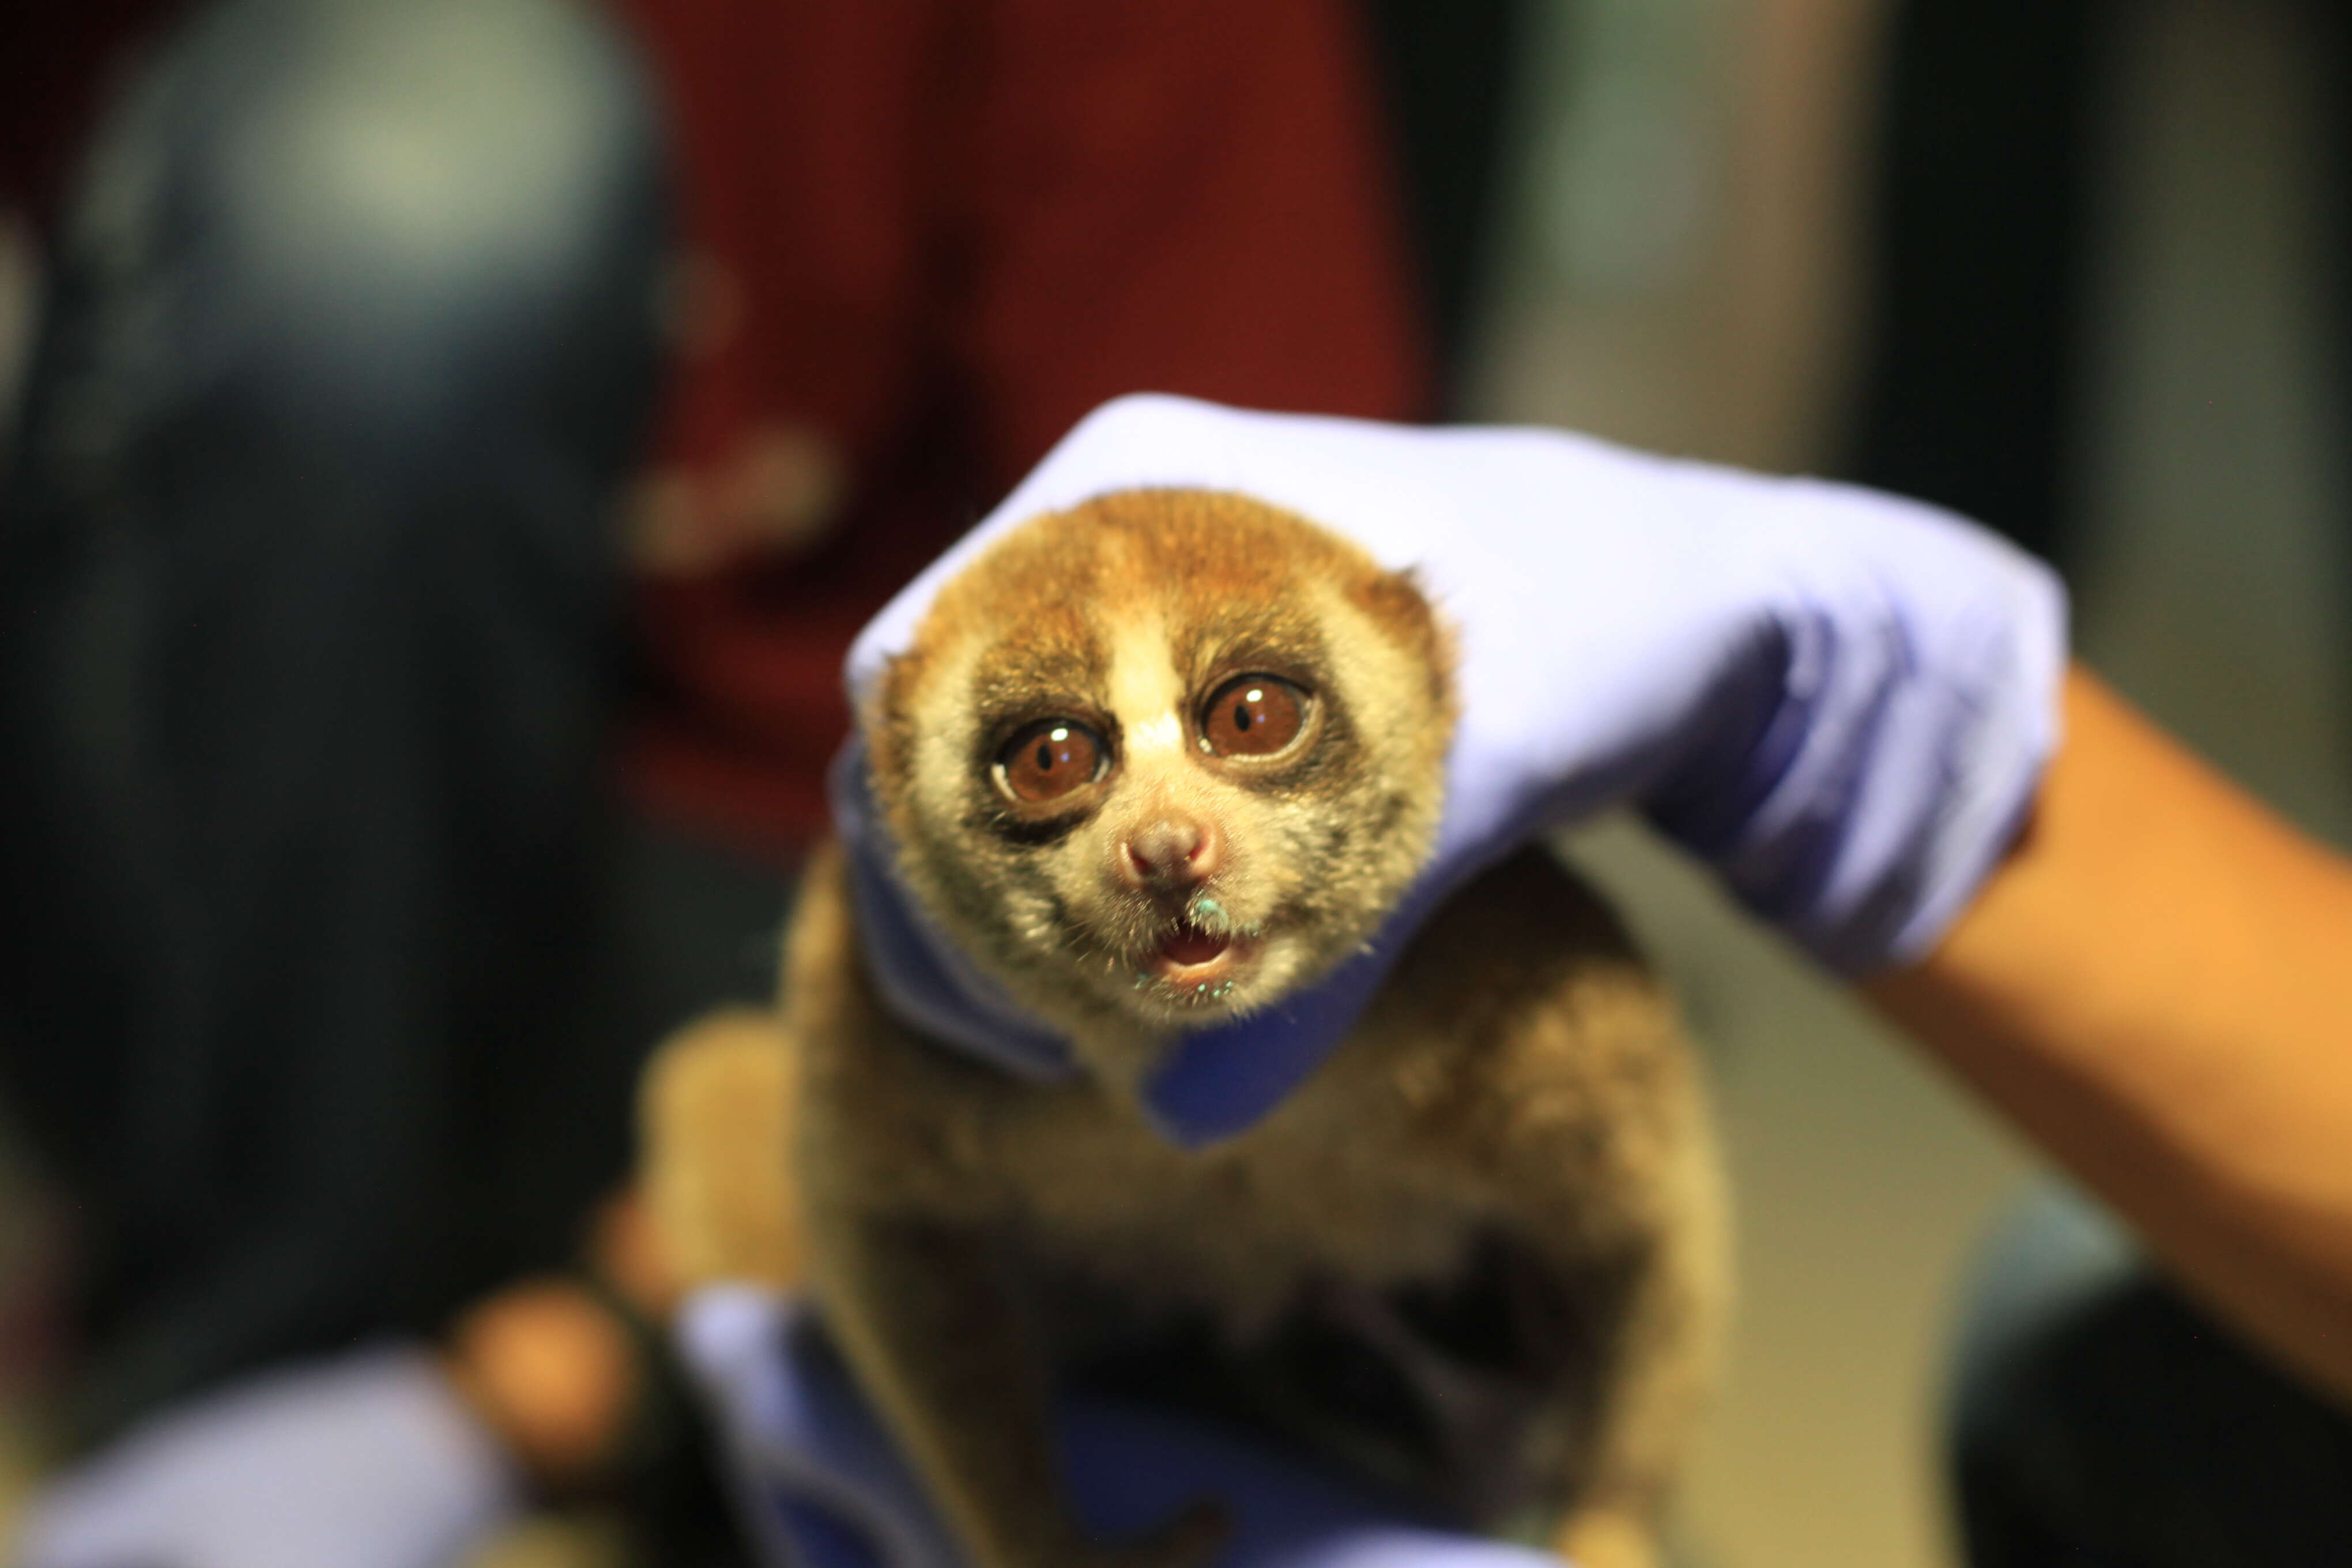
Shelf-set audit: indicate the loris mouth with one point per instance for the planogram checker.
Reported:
(1199, 962)
(1189, 947)
(1200, 952)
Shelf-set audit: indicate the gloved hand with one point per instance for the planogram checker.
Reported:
(1842, 700)
(820, 1486)
(365, 1461)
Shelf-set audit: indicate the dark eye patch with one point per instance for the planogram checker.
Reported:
(1270, 637)
(1040, 676)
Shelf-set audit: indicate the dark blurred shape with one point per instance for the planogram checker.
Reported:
(60, 62)
(327, 957)
(2099, 1417)
(1986, 211)
(1985, 202)
(305, 611)
(1450, 71)
(2101, 1420)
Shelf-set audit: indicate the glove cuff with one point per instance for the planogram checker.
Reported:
(1913, 709)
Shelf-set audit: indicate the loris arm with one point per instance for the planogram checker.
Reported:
(930, 1327)
(2157, 985)
(927, 1325)
(917, 1308)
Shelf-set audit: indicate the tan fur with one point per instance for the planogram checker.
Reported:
(1521, 1077)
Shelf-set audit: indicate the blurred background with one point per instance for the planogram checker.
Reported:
(1691, 267)
(1672, 222)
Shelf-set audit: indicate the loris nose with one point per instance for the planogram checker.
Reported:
(1172, 849)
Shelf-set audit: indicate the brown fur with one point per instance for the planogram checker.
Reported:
(1519, 1089)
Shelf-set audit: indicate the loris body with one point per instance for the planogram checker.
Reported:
(1154, 764)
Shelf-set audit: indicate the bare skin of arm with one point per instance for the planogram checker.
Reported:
(2156, 988)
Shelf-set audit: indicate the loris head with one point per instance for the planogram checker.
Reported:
(1158, 760)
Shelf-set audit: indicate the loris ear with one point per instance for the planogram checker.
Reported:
(888, 726)
(1396, 603)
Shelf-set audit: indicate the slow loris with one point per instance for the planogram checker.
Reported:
(1153, 764)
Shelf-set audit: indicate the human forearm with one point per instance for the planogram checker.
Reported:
(2155, 987)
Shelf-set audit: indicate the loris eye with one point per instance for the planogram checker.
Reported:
(1253, 716)
(1049, 759)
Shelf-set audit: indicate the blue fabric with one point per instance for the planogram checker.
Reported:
(822, 1487)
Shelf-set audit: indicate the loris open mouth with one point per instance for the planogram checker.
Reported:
(1195, 959)
(1188, 946)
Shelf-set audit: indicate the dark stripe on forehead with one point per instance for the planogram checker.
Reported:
(1278, 638)
(1055, 661)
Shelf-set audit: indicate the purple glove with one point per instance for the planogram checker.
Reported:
(820, 1486)
(365, 1461)
(1840, 699)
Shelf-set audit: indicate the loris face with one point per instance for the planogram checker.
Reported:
(1158, 760)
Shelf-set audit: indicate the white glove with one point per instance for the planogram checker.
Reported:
(1840, 699)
